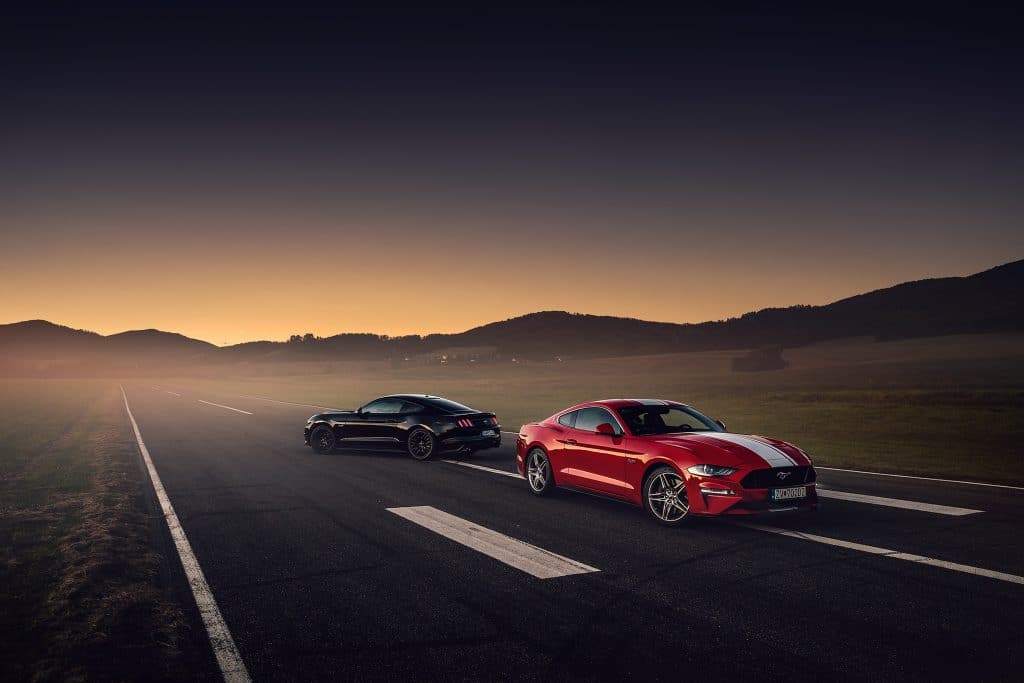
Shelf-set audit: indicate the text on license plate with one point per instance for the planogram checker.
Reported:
(789, 493)
(488, 432)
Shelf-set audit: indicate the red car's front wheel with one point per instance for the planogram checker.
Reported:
(665, 496)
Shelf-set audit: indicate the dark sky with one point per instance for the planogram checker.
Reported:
(611, 160)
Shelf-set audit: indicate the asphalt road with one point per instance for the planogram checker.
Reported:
(316, 579)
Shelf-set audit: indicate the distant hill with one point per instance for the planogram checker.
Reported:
(145, 342)
(990, 301)
(43, 339)
(41, 347)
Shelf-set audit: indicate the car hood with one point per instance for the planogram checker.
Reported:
(734, 450)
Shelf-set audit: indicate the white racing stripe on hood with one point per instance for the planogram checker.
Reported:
(770, 454)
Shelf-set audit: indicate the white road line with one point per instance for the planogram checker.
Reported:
(896, 503)
(232, 668)
(224, 406)
(174, 393)
(504, 473)
(513, 552)
(908, 476)
(288, 403)
(894, 554)
(822, 492)
(512, 433)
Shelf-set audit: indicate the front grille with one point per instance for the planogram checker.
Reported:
(766, 479)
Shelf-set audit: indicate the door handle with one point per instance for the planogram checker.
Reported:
(571, 442)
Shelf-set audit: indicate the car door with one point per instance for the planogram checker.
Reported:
(596, 461)
(561, 434)
(411, 415)
(376, 423)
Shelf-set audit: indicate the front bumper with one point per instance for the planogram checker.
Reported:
(753, 502)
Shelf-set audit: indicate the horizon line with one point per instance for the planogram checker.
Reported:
(516, 317)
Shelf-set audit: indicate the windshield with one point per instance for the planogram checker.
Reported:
(666, 419)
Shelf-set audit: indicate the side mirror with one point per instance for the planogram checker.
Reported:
(605, 428)
(721, 424)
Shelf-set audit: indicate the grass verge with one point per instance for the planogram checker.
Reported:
(82, 596)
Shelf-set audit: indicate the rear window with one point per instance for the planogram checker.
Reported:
(568, 419)
(446, 405)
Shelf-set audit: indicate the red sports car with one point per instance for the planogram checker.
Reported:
(665, 456)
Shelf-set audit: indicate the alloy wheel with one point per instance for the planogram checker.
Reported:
(537, 469)
(666, 496)
(421, 444)
(325, 441)
(322, 439)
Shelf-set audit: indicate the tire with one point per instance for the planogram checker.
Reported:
(421, 444)
(539, 476)
(322, 439)
(665, 497)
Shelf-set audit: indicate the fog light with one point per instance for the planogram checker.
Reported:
(707, 490)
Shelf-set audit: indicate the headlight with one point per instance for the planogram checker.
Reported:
(710, 470)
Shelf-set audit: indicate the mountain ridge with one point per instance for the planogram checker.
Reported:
(988, 301)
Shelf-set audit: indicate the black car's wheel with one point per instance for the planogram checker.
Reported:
(538, 472)
(421, 444)
(322, 439)
(665, 496)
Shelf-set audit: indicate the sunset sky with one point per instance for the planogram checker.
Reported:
(236, 176)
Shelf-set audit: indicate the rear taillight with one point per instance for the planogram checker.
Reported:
(464, 422)
(495, 421)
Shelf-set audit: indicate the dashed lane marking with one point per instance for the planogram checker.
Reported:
(528, 558)
(896, 503)
(220, 405)
(908, 476)
(892, 554)
(504, 473)
(287, 403)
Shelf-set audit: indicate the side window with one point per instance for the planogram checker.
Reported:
(589, 418)
(569, 419)
(383, 405)
(408, 408)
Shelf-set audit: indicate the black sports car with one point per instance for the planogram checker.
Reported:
(420, 424)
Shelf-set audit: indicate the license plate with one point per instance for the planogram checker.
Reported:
(488, 432)
(789, 493)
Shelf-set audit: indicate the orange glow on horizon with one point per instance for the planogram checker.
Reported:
(308, 276)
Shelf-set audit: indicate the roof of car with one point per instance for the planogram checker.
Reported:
(626, 402)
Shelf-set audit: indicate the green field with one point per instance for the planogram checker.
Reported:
(948, 406)
(81, 598)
